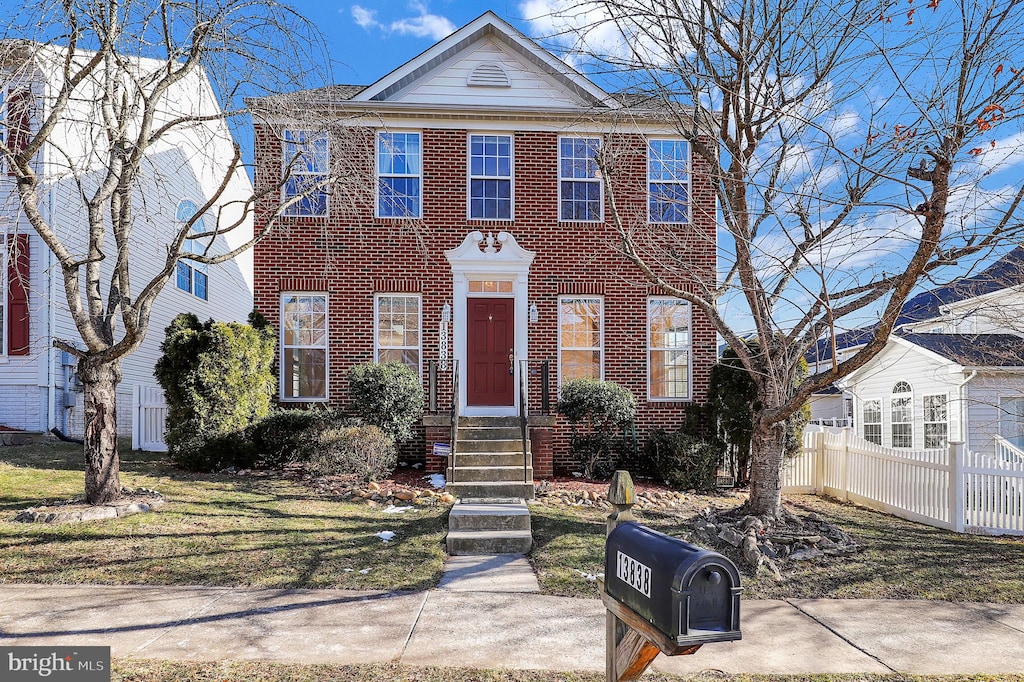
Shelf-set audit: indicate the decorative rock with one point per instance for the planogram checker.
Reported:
(751, 552)
(731, 536)
(806, 554)
(447, 498)
(405, 495)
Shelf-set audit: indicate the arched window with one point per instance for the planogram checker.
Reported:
(902, 412)
(192, 276)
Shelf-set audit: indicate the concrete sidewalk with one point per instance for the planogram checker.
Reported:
(501, 630)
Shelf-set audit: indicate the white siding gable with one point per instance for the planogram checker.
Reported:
(449, 82)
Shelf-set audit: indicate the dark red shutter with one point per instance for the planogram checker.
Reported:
(19, 120)
(17, 294)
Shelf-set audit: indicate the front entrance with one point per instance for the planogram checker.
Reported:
(490, 352)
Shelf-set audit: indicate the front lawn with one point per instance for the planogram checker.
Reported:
(900, 560)
(213, 530)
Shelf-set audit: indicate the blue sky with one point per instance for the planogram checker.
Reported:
(369, 38)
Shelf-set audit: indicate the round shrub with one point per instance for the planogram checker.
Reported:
(596, 411)
(387, 395)
(365, 451)
(281, 436)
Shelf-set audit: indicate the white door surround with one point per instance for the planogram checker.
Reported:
(489, 258)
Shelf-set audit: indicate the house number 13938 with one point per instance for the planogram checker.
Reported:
(634, 574)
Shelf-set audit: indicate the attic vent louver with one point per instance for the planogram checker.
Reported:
(489, 75)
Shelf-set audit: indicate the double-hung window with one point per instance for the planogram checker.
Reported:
(192, 276)
(580, 337)
(872, 421)
(579, 186)
(303, 347)
(306, 162)
(399, 166)
(1011, 420)
(902, 413)
(936, 423)
(668, 349)
(490, 177)
(398, 329)
(668, 181)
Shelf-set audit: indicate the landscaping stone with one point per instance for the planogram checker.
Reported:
(75, 511)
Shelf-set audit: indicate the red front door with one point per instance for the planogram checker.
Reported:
(489, 381)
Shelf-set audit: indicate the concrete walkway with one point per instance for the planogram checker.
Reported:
(450, 627)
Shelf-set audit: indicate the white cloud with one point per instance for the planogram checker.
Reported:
(422, 24)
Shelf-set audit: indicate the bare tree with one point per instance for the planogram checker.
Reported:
(855, 149)
(111, 86)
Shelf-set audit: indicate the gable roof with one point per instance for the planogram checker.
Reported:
(487, 24)
(1006, 272)
(973, 350)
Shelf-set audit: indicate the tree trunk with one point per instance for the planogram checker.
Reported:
(767, 447)
(102, 468)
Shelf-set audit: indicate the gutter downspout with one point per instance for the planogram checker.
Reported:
(962, 397)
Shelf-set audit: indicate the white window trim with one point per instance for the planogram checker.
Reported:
(4, 312)
(377, 175)
(689, 351)
(687, 182)
(192, 246)
(865, 423)
(600, 348)
(376, 325)
(326, 346)
(599, 180)
(284, 165)
(924, 418)
(893, 396)
(511, 176)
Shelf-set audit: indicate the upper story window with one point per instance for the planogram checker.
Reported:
(902, 415)
(579, 186)
(668, 349)
(399, 169)
(580, 338)
(668, 181)
(307, 154)
(490, 177)
(191, 276)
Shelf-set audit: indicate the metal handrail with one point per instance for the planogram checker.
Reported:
(454, 418)
(523, 366)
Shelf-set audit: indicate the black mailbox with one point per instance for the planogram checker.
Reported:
(689, 594)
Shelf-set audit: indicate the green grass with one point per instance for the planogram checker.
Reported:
(213, 530)
(132, 670)
(901, 559)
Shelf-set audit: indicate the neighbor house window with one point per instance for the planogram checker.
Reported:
(303, 347)
(668, 181)
(490, 177)
(872, 421)
(936, 422)
(902, 415)
(306, 161)
(1011, 420)
(579, 186)
(192, 276)
(668, 349)
(580, 338)
(399, 164)
(398, 330)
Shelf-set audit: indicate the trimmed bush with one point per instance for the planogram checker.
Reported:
(387, 395)
(682, 461)
(365, 451)
(597, 411)
(283, 435)
(217, 380)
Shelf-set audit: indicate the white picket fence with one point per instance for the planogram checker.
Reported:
(149, 417)
(948, 488)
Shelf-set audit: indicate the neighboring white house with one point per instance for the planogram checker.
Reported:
(38, 389)
(953, 369)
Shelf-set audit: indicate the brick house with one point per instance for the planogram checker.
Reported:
(483, 248)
